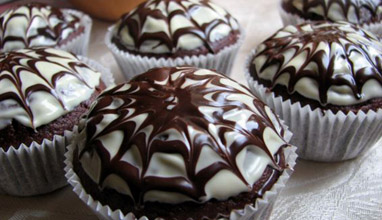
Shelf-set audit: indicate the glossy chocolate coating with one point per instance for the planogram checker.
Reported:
(39, 85)
(354, 11)
(176, 28)
(36, 24)
(331, 63)
(179, 115)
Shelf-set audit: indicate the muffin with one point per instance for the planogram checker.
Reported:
(356, 12)
(324, 80)
(160, 145)
(38, 24)
(366, 13)
(44, 92)
(174, 33)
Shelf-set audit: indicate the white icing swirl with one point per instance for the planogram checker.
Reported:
(354, 11)
(161, 27)
(38, 86)
(332, 63)
(35, 24)
(126, 124)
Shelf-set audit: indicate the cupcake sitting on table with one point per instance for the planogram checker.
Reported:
(365, 13)
(174, 33)
(325, 81)
(37, 24)
(180, 143)
(43, 93)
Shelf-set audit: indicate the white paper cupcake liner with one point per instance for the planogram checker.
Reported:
(106, 76)
(258, 211)
(79, 45)
(39, 168)
(375, 28)
(322, 135)
(33, 170)
(132, 65)
(292, 19)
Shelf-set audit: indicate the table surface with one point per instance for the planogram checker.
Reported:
(346, 190)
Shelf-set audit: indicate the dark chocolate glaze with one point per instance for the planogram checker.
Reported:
(169, 106)
(49, 31)
(202, 32)
(274, 49)
(210, 210)
(13, 63)
(16, 133)
(365, 11)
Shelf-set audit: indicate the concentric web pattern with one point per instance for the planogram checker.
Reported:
(174, 134)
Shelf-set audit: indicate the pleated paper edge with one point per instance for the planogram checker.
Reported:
(132, 65)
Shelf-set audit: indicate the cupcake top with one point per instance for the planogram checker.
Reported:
(176, 28)
(330, 63)
(173, 135)
(36, 24)
(39, 85)
(354, 11)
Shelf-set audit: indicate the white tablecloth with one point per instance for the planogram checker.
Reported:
(347, 190)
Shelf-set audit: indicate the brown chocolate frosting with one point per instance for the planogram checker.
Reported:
(156, 27)
(177, 111)
(329, 63)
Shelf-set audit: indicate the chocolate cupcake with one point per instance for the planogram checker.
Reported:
(38, 24)
(160, 146)
(366, 13)
(44, 92)
(325, 81)
(174, 33)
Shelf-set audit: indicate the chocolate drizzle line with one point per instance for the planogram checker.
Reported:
(145, 96)
(302, 41)
(366, 11)
(143, 11)
(54, 33)
(11, 66)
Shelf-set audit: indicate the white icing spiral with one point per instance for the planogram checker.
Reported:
(161, 27)
(39, 85)
(35, 24)
(354, 11)
(332, 63)
(176, 134)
